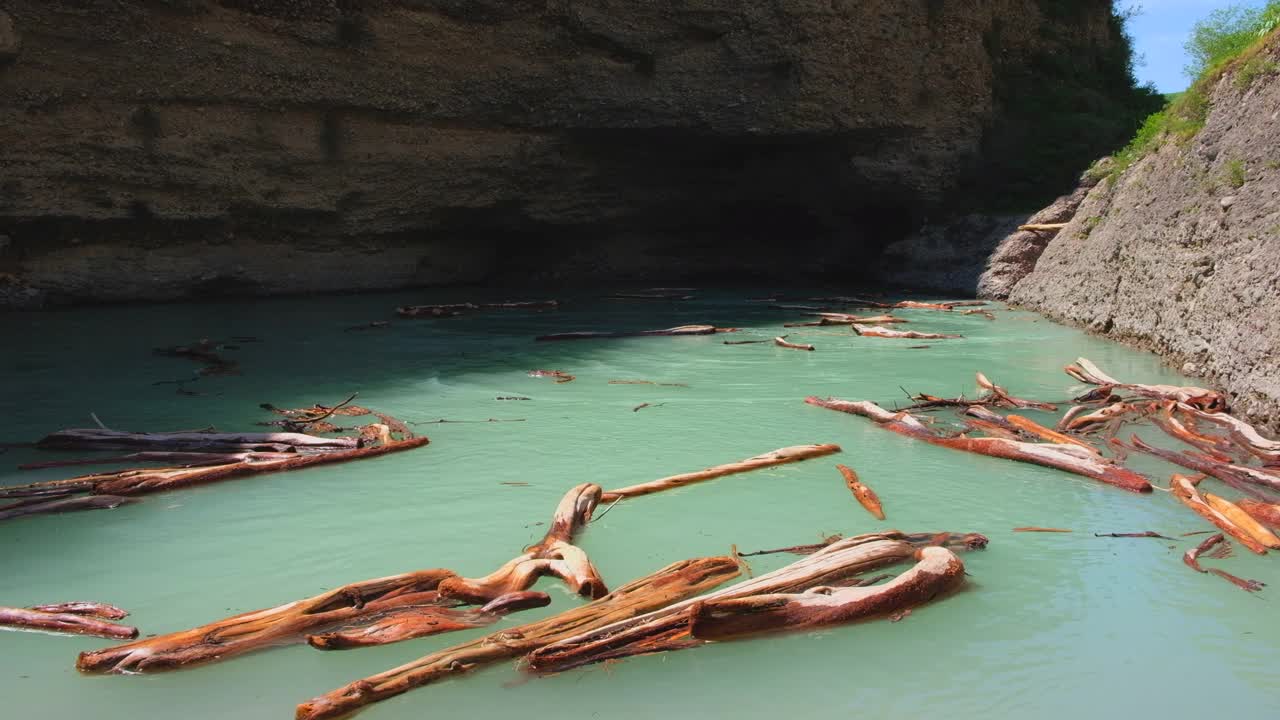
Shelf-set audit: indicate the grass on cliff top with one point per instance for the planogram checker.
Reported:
(1229, 40)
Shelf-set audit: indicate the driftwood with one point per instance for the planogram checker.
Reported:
(805, 593)
(1063, 457)
(780, 456)
(1265, 513)
(1218, 449)
(746, 342)
(102, 439)
(781, 342)
(1240, 431)
(1040, 530)
(675, 331)
(984, 313)
(954, 541)
(62, 505)
(865, 495)
(1247, 480)
(1185, 491)
(945, 306)
(81, 622)
(1243, 520)
(1087, 420)
(1147, 534)
(829, 318)
(879, 332)
(204, 351)
(410, 622)
(1192, 556)
(1208, 400)
(1043, 227)
(670, 584)
(1242, 583)
(560, 376)
(456, 309)
(1001, 397)
(1034, 428)
(554, 555)
(92, 609)
(647, 382)
(177, 458)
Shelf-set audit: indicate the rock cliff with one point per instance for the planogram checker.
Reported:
(169, 148)
(1181, 252)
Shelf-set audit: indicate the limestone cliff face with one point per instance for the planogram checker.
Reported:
(166, 148)
(1181, 253)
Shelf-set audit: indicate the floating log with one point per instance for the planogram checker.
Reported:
(1115, 411)
(1247, 480)
(204, 351)
(1243, 520)
(63, 505)
(1185, 491)
(777, 603)
(411, 622)
(179, 459)
(102, 439)
(1208, 400)
(92, 609)
(1173, 427)
(555, 555)
(1001, 397)
(879, 332)
(746, 342)
(1040, 530)
(1034, 428)
(780, 456)
(669, 332)
(865, 495)
(646, 382)
(1240, 431)
(1042, 227)
(781, 342)
(1265, 513)
(954, 541)
(64, 622)
(560, 376)
(1147, 534)
(984, 313)
(1063, 457)
(673, 583)
(829, 318)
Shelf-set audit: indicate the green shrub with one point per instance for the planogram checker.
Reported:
(1226, 33)
(1236, 173)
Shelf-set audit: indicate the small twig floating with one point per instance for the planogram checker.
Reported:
(746, 342)
(1147, 534)
(642, 406)
(561, 377)
(865, 495)
(781, 342)
(82, 620)
(680, 331)
(879, 332)
(781, 456)
(1040, 530)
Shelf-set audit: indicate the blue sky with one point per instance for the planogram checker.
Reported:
(1159, 32)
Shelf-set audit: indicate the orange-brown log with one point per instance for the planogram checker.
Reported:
(1044, 433)
(64, 622)
(1244, 434)
(1265, 513)
(1247, 480)
(1243, 520)
(865, 495)
(830, 318)
(780, 456)
(1001, 397)
(670, 584)
(1063, 457)
(92, 609)
(1208, 400)
(423, 620)
(1185, 491)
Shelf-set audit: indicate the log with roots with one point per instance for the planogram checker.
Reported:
(1240, 431)
(142, 481)
(865, 495)
(1253, 482)
(1063, 457)
(1184, 489)
(81, 621)
(771, 601)
(675, 331)
(781, 342)
(879, 332)
(1208, 400)
(63, 505)
(1001, 397)
(411, 622)
(671, 584)
(102, 439)
(1265, 513)
(780, 456)
(1192, 556)
(554, 555)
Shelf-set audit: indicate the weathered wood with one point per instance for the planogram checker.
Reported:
(1186, 493)
(1265, 513)
(675, 627)
(781, 342)
(669, 332)
(1247, 480)
(1085, 420)
(63, 505)
(1192, 556)
(1034, 428)
(1243, 520)
(780, 456)
(1062, 457)
(830, 318)
(102, 439)
(865, 495)
(560, 376)
(879, 332)
(1042, 227)
(178, 459)
(1242, 583)
(1147, 534)
(1246, 435)
(1208, 400)
(670, 584)
(204, 351)
(1001, 397)
(64, 622)
(417, 621)
(81, 607)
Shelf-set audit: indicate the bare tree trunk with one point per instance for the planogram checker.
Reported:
(777, 457)
(64, 622)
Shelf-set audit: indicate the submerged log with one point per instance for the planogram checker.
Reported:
(1247, 480)
(818, 576)
(204, 351)
(63, 505)
(670, 584)
(669, 332)
(781, 342)
(1209, 400)
(1062, 457)
(1265, 513)
(92, 609)
(560, 376)
(879, 332)
(1186, 493)
(865, 495)
(64, 622)
(780, 456)
(1001, 397)
(412, 622)
(1192, 556)
(102, 439)
(555, 555)
(1240, 431)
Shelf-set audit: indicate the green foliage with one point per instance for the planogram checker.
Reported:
(1252, 69)
(1225, 34)
(1236, 173)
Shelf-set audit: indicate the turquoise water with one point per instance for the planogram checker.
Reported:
(1050, 626)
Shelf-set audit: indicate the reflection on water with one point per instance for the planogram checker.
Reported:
(1054, 626)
